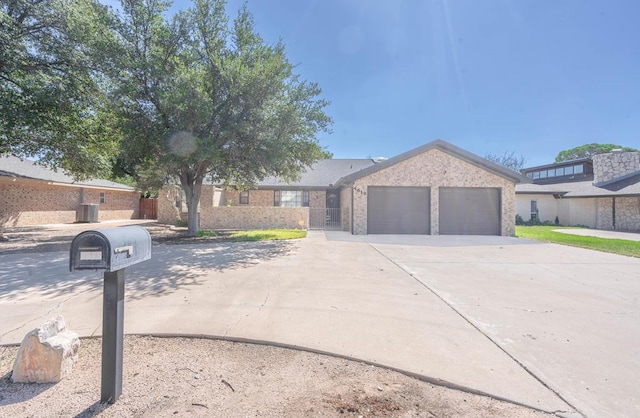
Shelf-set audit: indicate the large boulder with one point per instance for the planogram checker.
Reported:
(47, 354)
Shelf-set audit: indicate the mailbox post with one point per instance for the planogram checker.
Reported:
(111, 250)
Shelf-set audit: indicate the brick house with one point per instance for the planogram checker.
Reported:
(602, 192)
(34, 195)
(434, 189)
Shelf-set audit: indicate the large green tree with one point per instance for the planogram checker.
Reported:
(200, 97)
(51, 101)
(588, 150)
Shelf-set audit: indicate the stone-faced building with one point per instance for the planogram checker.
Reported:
(434, 189)
(602, 192)
(34, 195)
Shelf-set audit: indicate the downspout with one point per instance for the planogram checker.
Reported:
(613, 210)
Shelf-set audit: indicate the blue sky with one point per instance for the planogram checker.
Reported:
(532, 77)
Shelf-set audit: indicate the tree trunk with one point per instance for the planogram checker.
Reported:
(192, 192)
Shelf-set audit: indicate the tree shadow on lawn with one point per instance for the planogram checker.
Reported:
(171, 267)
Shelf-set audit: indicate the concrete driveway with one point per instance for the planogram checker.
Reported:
(555, 328)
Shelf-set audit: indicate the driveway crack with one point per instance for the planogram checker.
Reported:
(57, 306)
(266, 299)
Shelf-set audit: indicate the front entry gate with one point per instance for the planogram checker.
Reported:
(325, 218)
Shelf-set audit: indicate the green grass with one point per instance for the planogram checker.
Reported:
(545, 233)
(259, 234)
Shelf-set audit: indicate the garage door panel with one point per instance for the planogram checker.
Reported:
(469, 211)
(398, 210)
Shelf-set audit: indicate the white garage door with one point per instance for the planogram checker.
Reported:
(469, 211)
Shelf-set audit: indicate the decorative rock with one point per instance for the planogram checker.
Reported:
(47, 354)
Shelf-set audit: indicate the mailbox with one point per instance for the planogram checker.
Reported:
(110, 249)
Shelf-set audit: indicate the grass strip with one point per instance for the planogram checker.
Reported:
(547, 234)
(259, 234)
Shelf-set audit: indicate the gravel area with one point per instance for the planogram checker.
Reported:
(169, 377)
(175, 377)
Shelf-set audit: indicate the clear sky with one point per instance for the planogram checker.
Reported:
(530, 76)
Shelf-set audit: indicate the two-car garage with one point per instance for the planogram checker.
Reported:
(407, 210)
(435, 189)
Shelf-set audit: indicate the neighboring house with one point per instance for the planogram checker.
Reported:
(434, 189)
(602, 193)
(34, 195)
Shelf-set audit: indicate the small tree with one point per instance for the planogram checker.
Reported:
(509, 159)
(197, 98)
(588, 151)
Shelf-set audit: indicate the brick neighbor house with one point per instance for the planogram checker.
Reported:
(602, 192)
(34, 195)
(434, 189)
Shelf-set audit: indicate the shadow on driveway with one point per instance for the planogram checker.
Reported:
(170, 268)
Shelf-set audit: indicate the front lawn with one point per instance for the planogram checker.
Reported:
(258, 234)
(545, 233)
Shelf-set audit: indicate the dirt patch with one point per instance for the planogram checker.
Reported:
(169, 377)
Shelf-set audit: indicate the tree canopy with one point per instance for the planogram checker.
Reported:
(198, 97)
(588, 150)
(50, 98)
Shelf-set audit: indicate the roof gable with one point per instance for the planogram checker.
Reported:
(445, 147)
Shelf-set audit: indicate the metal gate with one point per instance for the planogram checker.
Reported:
(325, 218)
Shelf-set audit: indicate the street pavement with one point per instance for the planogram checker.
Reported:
(547, 326)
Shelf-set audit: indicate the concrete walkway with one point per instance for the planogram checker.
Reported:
(343, 295)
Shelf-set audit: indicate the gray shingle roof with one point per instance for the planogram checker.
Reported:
(322, 174)
(626, 186)
(21, 168)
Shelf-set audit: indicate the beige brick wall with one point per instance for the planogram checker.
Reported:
(345, 204)
(317, 198)
(434, 169)
(253, 217)
(168, 213)
(27, 202)
(216, 214)
(256, 198)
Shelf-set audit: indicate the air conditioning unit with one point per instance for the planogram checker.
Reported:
(88, 213)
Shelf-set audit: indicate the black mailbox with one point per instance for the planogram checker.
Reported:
(110, 249)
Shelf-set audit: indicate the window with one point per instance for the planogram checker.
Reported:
(305, 198)
(543, 174)
(534, 209)
(102, 198)
(578, 169)
(244, 197)
(289, 198)
(568, 170)
(536, 175)
(559, 171)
